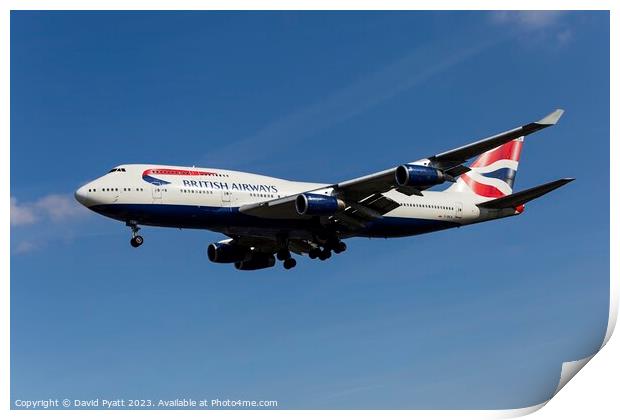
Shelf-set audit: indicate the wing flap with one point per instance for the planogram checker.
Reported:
(379, 203)
(359, 188)
(280, 208)
(356, 215)
(457, 171)
(409, 191)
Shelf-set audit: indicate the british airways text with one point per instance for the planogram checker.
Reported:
(233, 186)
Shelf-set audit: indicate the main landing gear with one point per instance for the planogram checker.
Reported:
(326, 251)
(136, 240)
(285, 255)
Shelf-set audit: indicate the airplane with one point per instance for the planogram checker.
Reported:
(268, 218)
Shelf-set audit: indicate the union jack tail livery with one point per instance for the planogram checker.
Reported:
(493, 174)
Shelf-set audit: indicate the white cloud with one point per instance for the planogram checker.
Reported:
(22, 214)
(24, 247)
(564, 36)
(52, 207)
(535, 27)
(527, 19)
(59, 207)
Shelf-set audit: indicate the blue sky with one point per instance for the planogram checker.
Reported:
(479, 317)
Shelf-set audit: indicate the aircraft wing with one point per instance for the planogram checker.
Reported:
(450, 162)
(363, 197)
(353, 216)
(461, 154)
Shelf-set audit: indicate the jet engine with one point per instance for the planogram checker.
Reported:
(224, 252)
(418, 176)
(256, 262)
(317, 204)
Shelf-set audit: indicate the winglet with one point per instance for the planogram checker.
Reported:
(552, 118)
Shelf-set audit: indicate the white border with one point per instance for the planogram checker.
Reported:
(594, 387)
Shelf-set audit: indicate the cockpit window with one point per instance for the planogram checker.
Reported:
(117, 170)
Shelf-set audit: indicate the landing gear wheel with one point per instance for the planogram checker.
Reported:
(340, 247)
(289, 263)
(314, 253)
(283, 255)
(325, 254)
(136, 241)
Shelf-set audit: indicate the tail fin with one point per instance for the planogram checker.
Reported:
(493, 174)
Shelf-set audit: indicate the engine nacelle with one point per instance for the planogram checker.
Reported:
(222, 252)
(317, 204)
(257, 261)
(418, 176)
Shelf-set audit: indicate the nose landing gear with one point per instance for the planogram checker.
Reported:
(136, 240)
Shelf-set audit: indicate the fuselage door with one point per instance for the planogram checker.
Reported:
(458, 210)
(156, 194)
(226, 195)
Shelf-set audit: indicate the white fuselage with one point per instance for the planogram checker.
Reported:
(189, 197)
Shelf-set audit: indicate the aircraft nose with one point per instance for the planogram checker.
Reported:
(81, 195)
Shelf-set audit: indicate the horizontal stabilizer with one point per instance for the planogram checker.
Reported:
(522, 197)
